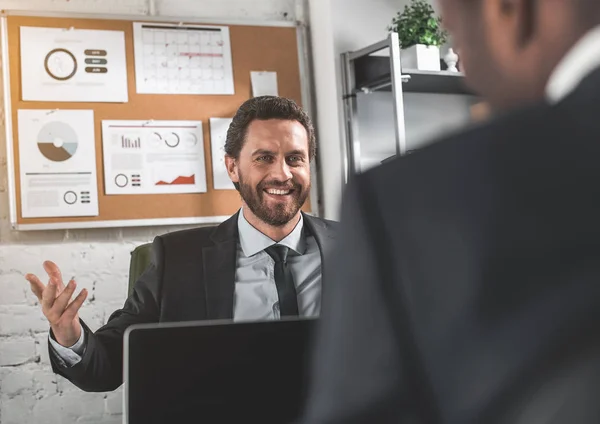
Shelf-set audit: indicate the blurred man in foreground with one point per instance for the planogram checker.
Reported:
(470, 285)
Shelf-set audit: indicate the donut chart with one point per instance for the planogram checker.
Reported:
(70, 197)
(57, 141)
(172, 139)
(121, 180)
(60, 64)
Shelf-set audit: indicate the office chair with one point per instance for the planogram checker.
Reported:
(140, 259)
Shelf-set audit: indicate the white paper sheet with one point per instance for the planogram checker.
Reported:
(73, 65)
(264, 83)
(150, 157)
(218, 133)
(57, 157)
(182, 59)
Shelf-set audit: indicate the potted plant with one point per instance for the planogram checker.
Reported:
(421, 35)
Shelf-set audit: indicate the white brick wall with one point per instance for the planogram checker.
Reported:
(98, 259)
(16, 351)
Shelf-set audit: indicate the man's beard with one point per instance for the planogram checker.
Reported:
(281, 213)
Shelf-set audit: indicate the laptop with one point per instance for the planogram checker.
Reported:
(216, 371)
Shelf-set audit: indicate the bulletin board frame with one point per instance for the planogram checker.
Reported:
(17, 222)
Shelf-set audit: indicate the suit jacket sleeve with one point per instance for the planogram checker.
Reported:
(356, 374)
(101, 366)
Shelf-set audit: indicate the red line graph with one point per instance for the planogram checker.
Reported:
(189, 180)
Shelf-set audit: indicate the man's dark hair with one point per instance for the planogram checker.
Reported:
(264, 108)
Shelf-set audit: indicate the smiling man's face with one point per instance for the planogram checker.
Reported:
(273, 170)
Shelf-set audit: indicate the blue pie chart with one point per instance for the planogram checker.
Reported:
(57, 141)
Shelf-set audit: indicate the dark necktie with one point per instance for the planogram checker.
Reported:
(288, 304)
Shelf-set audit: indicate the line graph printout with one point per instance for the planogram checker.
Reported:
(182, 59)
(153, 157)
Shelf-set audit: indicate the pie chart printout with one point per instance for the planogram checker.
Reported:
(57, 141)
(57, 163)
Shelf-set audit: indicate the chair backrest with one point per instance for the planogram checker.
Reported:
(140, 259)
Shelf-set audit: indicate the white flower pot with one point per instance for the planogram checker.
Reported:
(421, 57)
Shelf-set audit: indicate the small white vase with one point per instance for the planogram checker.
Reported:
(451, 59)
(421, 57)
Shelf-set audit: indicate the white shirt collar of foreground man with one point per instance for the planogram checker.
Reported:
(579, 62)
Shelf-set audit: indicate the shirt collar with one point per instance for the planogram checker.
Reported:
(580, 61)
(253, 241)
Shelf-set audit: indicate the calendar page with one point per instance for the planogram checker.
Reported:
(182, 59)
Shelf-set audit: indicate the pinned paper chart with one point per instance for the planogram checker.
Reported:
(218, 133)
(57, 163)
(153, 157)
(72, 65)
(182, 59)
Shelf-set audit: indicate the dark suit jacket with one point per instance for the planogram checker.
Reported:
(470, 285)
(191, 278)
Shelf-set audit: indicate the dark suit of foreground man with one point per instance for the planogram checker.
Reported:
(468, 279)
(264, 263)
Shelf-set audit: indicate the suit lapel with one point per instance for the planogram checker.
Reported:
(219, 270)
(325, 238)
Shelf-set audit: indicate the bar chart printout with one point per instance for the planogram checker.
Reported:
(157, 157)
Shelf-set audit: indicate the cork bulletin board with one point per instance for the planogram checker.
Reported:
(272, 48)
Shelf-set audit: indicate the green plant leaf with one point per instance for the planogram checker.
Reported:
(417, 24)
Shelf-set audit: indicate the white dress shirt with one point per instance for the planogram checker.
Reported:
(579, 62)
(255, 295)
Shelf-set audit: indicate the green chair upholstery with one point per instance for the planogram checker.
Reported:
(140, 259)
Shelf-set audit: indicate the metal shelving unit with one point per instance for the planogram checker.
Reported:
(362, 72)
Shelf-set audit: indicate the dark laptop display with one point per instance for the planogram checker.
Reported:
(216, 372)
